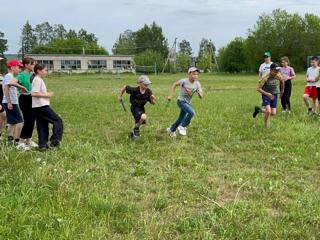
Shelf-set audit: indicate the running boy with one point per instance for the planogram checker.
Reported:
(265, 67)
(188, 87)
(288, 74)
(310, 90)
(10, 102)
(139, 96)
(268, 86)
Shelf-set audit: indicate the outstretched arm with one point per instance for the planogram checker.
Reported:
(200, 92)
(14, 83)
(122, 91)
(172, 89)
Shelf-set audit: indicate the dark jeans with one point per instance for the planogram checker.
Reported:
(185, 117)
(44, 116)
(285, 99)
(25, 104)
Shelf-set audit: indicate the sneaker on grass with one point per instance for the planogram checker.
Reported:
(182, 131)
(171, 134)
(257, 110)
(22, 147)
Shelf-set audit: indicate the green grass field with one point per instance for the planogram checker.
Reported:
(229, 179)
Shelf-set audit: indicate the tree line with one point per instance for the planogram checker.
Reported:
(281, 33)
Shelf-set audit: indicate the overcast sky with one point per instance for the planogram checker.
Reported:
(219, 20)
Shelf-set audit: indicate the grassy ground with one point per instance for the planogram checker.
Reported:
(229, 179)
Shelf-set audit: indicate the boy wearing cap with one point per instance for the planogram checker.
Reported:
(268, 86)
(310, 90)
(188, 87)
(10, 101)
(139, 96)
(265, 67)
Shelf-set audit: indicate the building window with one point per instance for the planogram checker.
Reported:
(48, 63)
(123, 64)
(97, 64)
(70, 64)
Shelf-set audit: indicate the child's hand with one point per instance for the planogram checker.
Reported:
(50, 94)
(270, 96)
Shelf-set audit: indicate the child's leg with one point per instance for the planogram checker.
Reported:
(273, 112)
(288, 94)
(190, 114)
(43, 132)
(17, 131)
(2, 120)
(306, 100)
(267, 115)
(143, 118)
(177, 123)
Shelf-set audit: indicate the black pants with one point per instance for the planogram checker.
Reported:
(25, 104)
(44, 116)
(285, 99)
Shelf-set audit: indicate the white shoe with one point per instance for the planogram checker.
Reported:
(171, 134)
(22, 147)
(182, 130)
(32, 144)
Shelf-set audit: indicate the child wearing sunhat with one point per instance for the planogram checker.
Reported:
(268, 86)
(188, 87)
(139, 96)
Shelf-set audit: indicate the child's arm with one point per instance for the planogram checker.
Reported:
(153, 99)
(14, 83)
(259, 89)
(42, 95)
(172, 89)
(7, 95)
(200, 92)
(122, 91)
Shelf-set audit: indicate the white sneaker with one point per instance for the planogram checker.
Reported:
(182, 130)
(22, 147)
(32, 144)
(171, 134)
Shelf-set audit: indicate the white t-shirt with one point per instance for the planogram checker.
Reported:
(312, 74)
(13, 93)
(264, 68)
(38, 86)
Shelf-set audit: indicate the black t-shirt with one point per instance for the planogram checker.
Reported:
(137, 99)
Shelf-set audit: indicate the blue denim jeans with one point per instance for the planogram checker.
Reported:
(186, 114)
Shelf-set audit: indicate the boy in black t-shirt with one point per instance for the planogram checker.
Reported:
(139, 96)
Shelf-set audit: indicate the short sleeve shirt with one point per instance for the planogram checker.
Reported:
(138, 99)
(271, 84)
(13, 92)
(187, 89)
(24, 80)
(38, 86)
(287, 72)
(264, 68)
(312, 74)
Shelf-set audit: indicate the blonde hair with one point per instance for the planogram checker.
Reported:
(285, 59)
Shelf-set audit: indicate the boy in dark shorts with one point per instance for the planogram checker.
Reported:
(139, 96)
(269, 88)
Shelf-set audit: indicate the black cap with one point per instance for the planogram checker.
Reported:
(275, 66)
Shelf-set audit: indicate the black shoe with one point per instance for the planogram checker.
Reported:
(257, 110)
(43, 148)
(55, 144)
(136, 132)
(132, 136)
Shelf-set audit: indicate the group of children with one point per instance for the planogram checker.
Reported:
(24, 102)
(275, 80)
(142, 94)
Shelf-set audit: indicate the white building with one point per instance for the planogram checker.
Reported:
(85, 63)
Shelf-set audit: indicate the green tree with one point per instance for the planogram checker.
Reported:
(43, 33)
(28, 39)
(151, 38)
(70, 46)
(183, 61)
(150, 58)
(125, 44)
(88, 37)
(3, 48)
(205, 62)
(233, 57)
(59, 31)
(185, 47)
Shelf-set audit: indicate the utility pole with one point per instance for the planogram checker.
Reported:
(172, 55)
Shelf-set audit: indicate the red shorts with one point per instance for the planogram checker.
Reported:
(311, 91)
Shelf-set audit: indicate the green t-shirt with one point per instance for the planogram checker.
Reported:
(24, 80)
